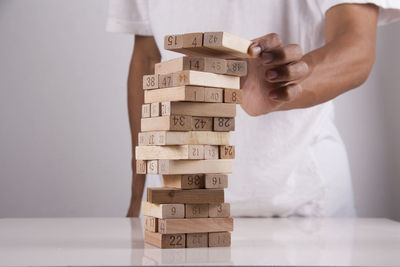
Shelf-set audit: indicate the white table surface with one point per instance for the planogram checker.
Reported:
(255, 241)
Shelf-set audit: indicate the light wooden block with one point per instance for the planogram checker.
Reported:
(227, 152)
(223, 124)
(216, 180)
(185, 181)
(233, 96)
(236, 67)
(197, 240)
(195, 225)
(189, 196)
(198, 78)
(196, 210)
(198, 109)
(141, 167)
(163, 211)
(227, 42)
(219, 239)
(150, 224)
(194, 166)
(150, 81)
(152, 167)
(173, 41)
(145, 110)
(192, 40)
(202, 124)
(165, 80)
(211, 152)
(170, 152)
(213, 95)
(162, 138)
(165, 240)
(155, 109)
(167, 123)
(182, 93)
(219, 210)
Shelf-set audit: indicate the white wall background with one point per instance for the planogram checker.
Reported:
(64, 133)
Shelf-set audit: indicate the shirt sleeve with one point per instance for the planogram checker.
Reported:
(128, 16)
(389, 10)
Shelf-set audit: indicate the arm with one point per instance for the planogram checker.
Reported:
(290, 80)
(145, 55)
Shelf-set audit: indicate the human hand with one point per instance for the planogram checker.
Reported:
(273, 75)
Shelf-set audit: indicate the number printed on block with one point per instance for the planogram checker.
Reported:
(173, 41)
(155, 109)
(150, 81)
(192, 40)
(141, 167)
(213, 94)
(165, 108)
(196, 152)
(236, 67)
(151, 224)
(216, 180)
(197, 240)
(226, 152)
(165, 80)
(224, 124)
(202, 124)
(152, 166)
(233, 96)
(210, 152)
(219, 239)
(192, 181)
(220, 210)
(196, 210)
(145, 110)
(180, 122)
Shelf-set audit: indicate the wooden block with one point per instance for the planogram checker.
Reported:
(198, 109)
(145, 110)
(226, 152)
(170, 152)
(189, 196)
(233, 96)
(165, 241)
(155, 109)
(150, 81)
(182, 93)
(141, 167)
(202, 124)
(195, 225)
(215, 65)
(223, 124)
(197, 240)
(165, 80)
(162, 138)
(198, 78)
(236, 67)
(163, 211)
(227, 42)
(196, 210)
(211, 152)
(152, 167)
(150, 224)
(213, 94)
(185, 181)
(192, 40)
(194, 166)
(219, 239)
(173, 41)
(216, 180)
(167, 123)
(219, 210)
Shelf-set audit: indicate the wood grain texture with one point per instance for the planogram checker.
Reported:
(162, 138)
(198, 109)
(195, 166)
(181, 93)
(167, 123)
(223, 124)
(195, 225)
(164, 211)
(190, 196)
(198, 78)
(170, 152)
(165, 240)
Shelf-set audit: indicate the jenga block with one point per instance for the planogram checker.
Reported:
(202, 124)
(233, 96)
(182, 93)
(167, 123)
(219, 210)
(198, 109)
(227, 42)
(185, 181)
(141, 167)
(165, 80)
(192, 40)
(219, 239)
(236, 67)
(226, 152)
(165, 241)
(198, 78)
(195, 225)
(152, 167)
(170, 152)
(194, 166)
(155, 109)
(213, 94)
(190, 196)
(172, 42)
(150, 81)
(211, 152)
(145, 110)
(163, 138)
(216, 180)
(163, 211)
(223, 124)
(196, 210)
(150, 224)
(197, 240)
(215, 65)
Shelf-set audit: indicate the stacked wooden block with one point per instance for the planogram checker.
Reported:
(190, 107)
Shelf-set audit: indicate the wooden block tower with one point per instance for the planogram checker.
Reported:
(189, 110)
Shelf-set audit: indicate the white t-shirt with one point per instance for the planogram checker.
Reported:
(287, 162)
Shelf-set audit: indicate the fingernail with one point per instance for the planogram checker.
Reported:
(255, 50)
(268, 57)
(272, 74)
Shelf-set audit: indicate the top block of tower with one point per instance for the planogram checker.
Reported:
(214, 44)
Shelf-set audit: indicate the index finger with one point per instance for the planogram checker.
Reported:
(264, 43)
